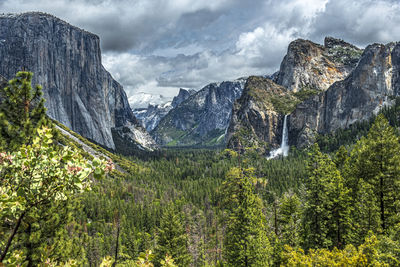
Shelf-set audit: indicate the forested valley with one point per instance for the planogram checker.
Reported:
(333, 204)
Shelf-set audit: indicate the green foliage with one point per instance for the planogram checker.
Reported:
(36, 177)
(172, 239)
(245, 242)
(289, 219)
(327, 210)
(177, 203)
(375, 176)
(145, 259)
(305, 93)
(22, 111)
(284, 104)
(368, 254)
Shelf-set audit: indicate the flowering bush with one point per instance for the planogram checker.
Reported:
(37, 175)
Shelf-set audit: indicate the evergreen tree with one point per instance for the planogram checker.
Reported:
(326, 219)
(172, 239)
(245, 241)
(289, 219)
(375, 165)
(22, 111)
(341, 158)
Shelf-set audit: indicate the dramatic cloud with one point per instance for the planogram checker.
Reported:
(158, 46)
(361, 22)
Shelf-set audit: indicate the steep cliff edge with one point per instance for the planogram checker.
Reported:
(257, 117)
(311, 66)
(350, 86)
(66, 61)
(201, 119)
(371, 85)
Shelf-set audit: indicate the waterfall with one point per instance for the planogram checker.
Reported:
(284, 148)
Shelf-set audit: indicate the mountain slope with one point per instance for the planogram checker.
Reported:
(66, 61)
(372, 84)
(313, 66)
(348, 87)
(202, 119)
(257, 117)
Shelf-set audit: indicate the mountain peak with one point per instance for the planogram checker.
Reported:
(182, 96)
(331, 42)
(306, 62)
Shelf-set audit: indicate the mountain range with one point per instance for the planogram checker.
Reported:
(321, 88)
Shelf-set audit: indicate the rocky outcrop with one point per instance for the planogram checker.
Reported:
(348, 87)
(202, 119)
(308, 65)
(369, 87)
(257, 117)
(66, 61)
(152, 115)
(182, 96)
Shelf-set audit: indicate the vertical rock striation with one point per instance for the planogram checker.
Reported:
(66, 61)
(202, 119)
(308, 65)
(257, 117)
(369, 87)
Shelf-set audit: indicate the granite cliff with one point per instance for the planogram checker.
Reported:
(201, 119)
(66, 61)
(257, 116)
(308, 65)
(371, 85)
(350, 85)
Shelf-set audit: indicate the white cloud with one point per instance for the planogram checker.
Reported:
(160, 45)
(361, 22)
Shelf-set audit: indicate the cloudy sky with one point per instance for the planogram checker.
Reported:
(157, 46)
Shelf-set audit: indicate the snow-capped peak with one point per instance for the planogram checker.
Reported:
(143, 100)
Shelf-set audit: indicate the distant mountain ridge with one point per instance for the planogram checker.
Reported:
(152, 115)
(66, 61)
(201, 119)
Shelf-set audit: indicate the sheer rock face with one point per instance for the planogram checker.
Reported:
(308, 65)
(360, 85)
(182, 96)
(66, 61)
(356, 98)
(202, 119)
(256, 117)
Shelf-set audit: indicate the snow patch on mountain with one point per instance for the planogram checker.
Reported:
(143, 100)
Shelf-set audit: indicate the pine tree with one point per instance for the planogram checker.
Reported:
(22, 111)
(289, 219)
(375, 164)
(172, 239)
(245, 241)
(326, 219)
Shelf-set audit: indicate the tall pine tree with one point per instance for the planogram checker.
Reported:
(245, 242)
(375, 165)
(172, 238)
(327, 212)
(22, 111)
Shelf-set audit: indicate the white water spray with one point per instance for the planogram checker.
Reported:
(284, 148)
